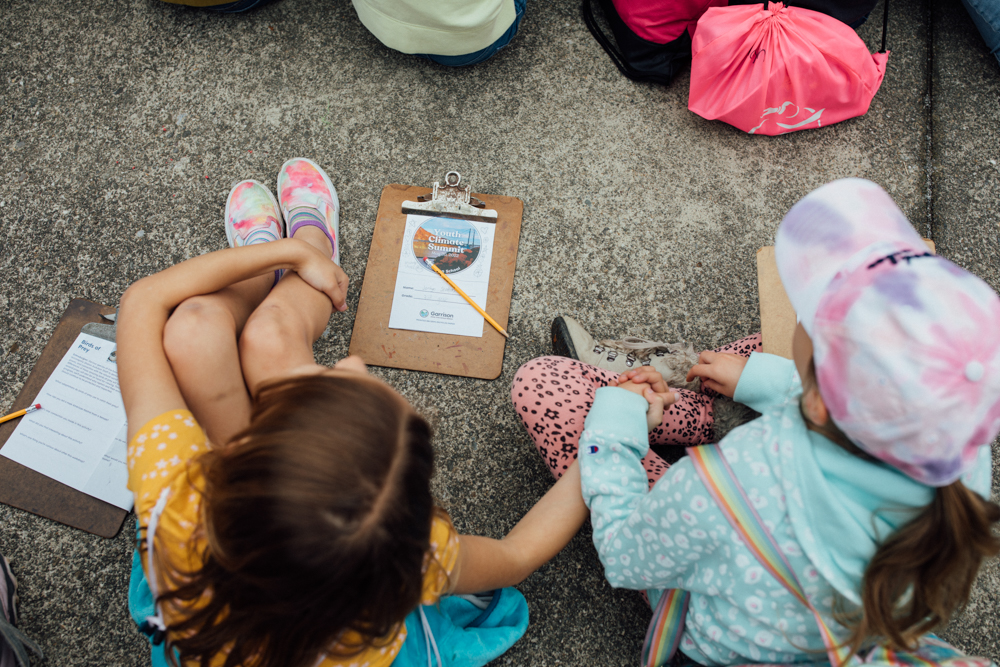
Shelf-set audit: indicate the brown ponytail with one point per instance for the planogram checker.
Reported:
(924, 571)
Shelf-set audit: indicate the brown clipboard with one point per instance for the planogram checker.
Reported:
(777, 317)
(32, 491)
(378, 345)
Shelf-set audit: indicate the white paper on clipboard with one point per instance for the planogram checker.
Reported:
(77, 438)
(422, 300)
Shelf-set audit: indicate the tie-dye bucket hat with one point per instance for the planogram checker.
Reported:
(906, 344)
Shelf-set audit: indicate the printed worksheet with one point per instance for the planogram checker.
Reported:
(422, 300)
(78, 437)
(109, 481)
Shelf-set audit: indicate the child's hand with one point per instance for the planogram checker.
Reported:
(719, 371)
(323, 275)
(658, 401)
(643, 375)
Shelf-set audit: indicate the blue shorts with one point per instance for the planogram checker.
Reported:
(483, 54)
(986, 15)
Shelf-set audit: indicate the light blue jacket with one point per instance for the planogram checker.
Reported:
(826, 508)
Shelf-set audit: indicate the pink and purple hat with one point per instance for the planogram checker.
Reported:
(906, 344)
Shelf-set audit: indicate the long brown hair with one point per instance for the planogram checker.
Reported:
(922, 573)
(317, 519)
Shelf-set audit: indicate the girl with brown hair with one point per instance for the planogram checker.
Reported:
(285, 510)
(869, 466)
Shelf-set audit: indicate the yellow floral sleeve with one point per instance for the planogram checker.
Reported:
(442, 561)
(160, 456)
(159, 453)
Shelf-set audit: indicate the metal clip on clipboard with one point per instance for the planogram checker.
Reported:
(451, 200)
(105, 331)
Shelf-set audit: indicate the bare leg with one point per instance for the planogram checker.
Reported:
(278, 338)
(200, 340)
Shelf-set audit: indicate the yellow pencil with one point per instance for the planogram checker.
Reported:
(471, 302)
(21, 413)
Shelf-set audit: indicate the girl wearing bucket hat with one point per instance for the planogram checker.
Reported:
(868, 469)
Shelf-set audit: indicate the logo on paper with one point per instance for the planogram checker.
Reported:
(424, 313)
(450, 245)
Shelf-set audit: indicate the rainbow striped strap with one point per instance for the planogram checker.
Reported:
(730, 497)
(665, 628)
(667, 625)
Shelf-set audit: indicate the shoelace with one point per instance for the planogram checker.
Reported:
(643, 348)
(673, 360)
(612, 354)
(639, 349)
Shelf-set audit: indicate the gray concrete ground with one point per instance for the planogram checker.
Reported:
(124, 124)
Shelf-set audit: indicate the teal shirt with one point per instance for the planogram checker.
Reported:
(826, 508)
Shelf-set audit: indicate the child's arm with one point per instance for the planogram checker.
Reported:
(719, 371)
(485, 564)
(758, 381)
(767, 380)
(146, 379)
(636, 532)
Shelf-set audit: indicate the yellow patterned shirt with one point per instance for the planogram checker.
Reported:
(164, 454)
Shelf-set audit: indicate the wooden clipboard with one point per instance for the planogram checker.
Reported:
(777, 317)
(32, 491)
(378, 345)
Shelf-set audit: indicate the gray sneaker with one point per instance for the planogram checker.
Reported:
(672, 360)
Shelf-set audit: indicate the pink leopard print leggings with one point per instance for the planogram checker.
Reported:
(552, 396)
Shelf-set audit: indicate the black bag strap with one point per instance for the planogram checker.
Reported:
(616, 57)
(885, 23)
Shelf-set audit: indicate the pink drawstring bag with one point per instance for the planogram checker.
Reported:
(781, 69)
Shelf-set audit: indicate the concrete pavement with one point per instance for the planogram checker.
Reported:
(124, 124)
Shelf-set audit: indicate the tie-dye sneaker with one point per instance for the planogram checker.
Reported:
(252, 215)
(308, 197)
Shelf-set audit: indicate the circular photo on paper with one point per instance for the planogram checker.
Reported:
(451, 245)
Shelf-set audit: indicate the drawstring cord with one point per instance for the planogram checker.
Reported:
(480, 603)
(154, 625)
(429, 638)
